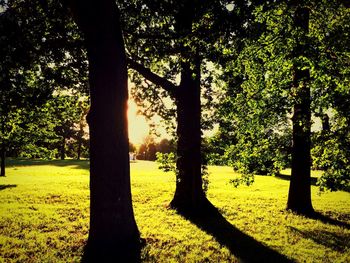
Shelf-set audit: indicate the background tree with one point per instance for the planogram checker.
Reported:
(149, 148)
(19, 79)
(168, 45)
(266, 90)
(66, 115)
(40, 53)
(299, 197)
(81, 136)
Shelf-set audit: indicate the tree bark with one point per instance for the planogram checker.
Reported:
(79, 148)
(3, 158)
(299, 198)
(80, 141)
(189, 195)
(326, 127)
(63, 148)
(113, 234)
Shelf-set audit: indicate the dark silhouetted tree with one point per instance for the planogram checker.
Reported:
(113, 233)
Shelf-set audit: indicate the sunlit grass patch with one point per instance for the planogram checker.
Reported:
(44, 214)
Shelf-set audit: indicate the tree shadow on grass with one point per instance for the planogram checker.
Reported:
(316, 215)
(244, 247)
(78, 164)
(328, 239)
(328, 220)
(4, 186)
(313, 180)
(287, 178)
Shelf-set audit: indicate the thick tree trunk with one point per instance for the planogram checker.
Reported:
(3, 158)
(113, 234)
(63, 149)
(189, 195)
(299, 198)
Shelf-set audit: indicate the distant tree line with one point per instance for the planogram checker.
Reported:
(55, 129)
(149, 148)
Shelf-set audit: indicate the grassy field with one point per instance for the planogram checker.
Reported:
(44, 209)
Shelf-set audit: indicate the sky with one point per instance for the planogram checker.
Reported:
(138, 126)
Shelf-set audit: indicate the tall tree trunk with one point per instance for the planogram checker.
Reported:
(63, 148)
(3, 158)
(189, 195)
(80, 140)
(113, 234)
(299, 198)
(326, 127)
(79, 148)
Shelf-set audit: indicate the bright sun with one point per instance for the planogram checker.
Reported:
(138, 127)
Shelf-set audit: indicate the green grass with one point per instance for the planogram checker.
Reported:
(44, 211)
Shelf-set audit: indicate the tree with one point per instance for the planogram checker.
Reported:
(169, 41)
(80, 136)
(132, 147)
(148, 149)
(113, 233)
(65, 115)
(165, 146)
(299, 197)
(17, 81)
(39, 53)
(280, 70)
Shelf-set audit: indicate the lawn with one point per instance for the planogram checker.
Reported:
(44, 214)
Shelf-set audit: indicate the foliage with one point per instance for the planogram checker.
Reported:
(132, 147)
(52, 225)
(205, 178)
(66, 115)
(41, 52)
(331, 153)
(39, 132)
(166, 162)
(214, 147)
(243, 179)
(149, 148)
(259, 94)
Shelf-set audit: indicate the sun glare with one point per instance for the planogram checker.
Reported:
(138, 127)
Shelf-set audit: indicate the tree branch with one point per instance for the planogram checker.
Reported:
(156, 79)
(152, 36)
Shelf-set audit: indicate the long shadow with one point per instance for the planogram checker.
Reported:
(287, 178)
(328, 239)
(328, 220)
(79, 164)
(313, 181)
(4, 186)
(244, 247)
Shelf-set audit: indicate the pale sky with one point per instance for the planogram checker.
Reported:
(138, 126)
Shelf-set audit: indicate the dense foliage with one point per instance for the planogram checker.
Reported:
(255, 125)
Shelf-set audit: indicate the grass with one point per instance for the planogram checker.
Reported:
(44, 211)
